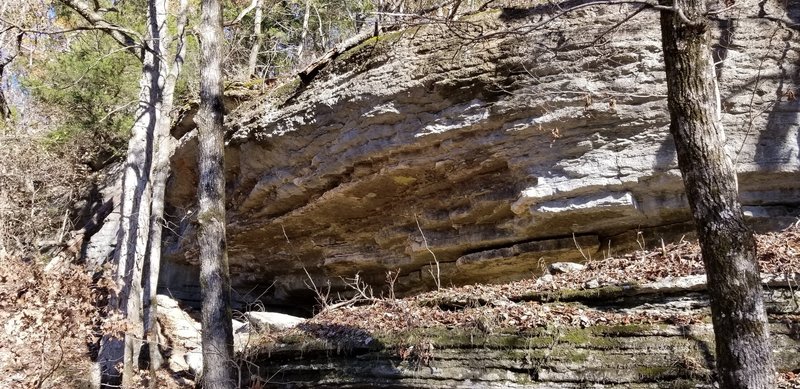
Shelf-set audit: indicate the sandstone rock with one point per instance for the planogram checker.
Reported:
(580, 354)
(564, 267)
(272, 321)
(194, 360)
(182, 332)
(672, 284)
(183, 335)
(492, 154)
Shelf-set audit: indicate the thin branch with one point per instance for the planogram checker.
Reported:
(124, 36)
(242, 14)
(436, 277)
(615, 26)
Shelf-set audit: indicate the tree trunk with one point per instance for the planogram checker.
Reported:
(138, 234)
(744, 359)
(5, 111)
(304, 32)
(259, 38)
(164, 148)
(217, 335)
(323, 45)
(131, 238)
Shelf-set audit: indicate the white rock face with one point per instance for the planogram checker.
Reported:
(493, 155)
(266, 321)
(184, 336)
(564, 267)
(183, 333)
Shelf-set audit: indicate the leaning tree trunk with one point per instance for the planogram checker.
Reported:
(217, 334)
(744, 359)
(135, 235)
(131, 244)
(258, 19)
(304, 32)
(164, 148)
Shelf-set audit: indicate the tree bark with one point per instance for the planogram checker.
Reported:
(135, 201)
(744, 358)
(217, 334)
(259, 38)
(164, 148)
(5, 111)
(135, 237)
(135, 208)
(138, 246)
(304, 32)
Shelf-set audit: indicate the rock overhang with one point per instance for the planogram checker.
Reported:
(497, 156)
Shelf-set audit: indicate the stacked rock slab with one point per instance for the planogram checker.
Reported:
(497, 152)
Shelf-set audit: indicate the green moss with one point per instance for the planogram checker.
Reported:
(577, 356)
(285, 91)
(654, 373)
(253, 83)
(684, 384)
(583, 337)
(375, 42)
(625, 329)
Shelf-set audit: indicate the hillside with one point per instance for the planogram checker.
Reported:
(636, 321)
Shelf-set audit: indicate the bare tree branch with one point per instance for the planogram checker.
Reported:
(126, 37)
(242, 14)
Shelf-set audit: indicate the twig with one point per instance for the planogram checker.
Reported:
(615, 26)
(585, 258)
(436, 277)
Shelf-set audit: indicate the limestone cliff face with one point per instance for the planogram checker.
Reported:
(499, 143)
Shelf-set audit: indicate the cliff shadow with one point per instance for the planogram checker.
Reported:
(778, 143)
(314, 354)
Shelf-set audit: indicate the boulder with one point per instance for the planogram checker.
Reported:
(183, 336)
(564, 267)
(182, 333)
(272, 321)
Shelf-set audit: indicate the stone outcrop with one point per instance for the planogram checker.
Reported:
(672, 354)
(500, 143)
(181, 334)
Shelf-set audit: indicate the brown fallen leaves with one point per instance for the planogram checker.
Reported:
(489, 307)
(48, 320)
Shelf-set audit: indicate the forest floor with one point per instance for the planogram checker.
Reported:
(51, 319)
(516, 303)
(547, 301)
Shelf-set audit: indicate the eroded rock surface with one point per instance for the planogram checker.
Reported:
(499, 154)
(587, 353)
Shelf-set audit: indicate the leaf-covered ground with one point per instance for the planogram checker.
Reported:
(503, 306)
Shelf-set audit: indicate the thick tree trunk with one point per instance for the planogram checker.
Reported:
(217, 336)
(744, 358)
(135, 206)
(259, 39)
(5, 111)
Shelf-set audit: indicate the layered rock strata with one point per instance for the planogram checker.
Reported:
(498, 143)
(672, 354)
